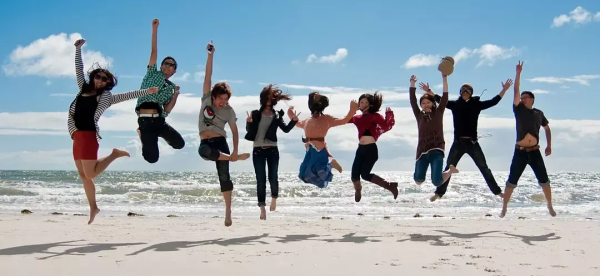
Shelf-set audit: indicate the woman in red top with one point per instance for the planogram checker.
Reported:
(370, 125)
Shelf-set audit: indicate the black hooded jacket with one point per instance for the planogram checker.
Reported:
(466, 114)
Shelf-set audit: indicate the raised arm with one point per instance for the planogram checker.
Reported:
(210, 48)
(154, 51)
(517, 97)
(437, 98)
(169, 106)
(121, 97)
(79, 64)
(413, 97)
(496, 99)
(444, 99)
(333, 122)
(387, 123)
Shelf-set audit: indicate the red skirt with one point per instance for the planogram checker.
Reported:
(85, 145)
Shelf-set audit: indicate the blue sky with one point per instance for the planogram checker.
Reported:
(378, 45)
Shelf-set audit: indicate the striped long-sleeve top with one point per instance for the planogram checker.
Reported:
(106, 98)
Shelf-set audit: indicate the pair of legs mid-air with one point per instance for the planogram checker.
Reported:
(364, 161)
(473, 149)
(150, 129)
(435, 158)
(216, 149)
(85, 154)
(266, 166)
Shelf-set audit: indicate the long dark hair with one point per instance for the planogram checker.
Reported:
(274, 94)
(375, 101)
(317, 103)
(89, 86)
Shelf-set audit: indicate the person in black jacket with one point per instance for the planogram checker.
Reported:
(465, 113)
(261, 127)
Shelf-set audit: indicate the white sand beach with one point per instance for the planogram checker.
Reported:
(38, 244)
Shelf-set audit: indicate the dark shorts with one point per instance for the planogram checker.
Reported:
(523, 157)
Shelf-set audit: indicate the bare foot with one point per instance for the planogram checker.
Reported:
(243, 156)
(551, 211)
(93, 214)
(120, 153)
(228, 221)
(451, 170)
(273, 204)
(394, 189)
(357, 191)
(263, 213)
(418, 183)
(503, 213)
(434, 197)
(336, 165)
(501, 195)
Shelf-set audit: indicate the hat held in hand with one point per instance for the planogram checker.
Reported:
(446, 65)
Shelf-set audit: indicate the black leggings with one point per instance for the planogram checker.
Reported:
(364, 161)
(210, 149)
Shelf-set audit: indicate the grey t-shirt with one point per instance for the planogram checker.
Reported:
(263, 126)
(529, 121)
(214, 119)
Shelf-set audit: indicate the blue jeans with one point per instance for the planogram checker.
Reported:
(269, 158)
(436, 159)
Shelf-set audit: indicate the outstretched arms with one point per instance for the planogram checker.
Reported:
(444, 99)
(79, 64)
(342, 121)
(496, 99)
(437, 98)
(210, 48)
(293, 119)
(387, 123)
(121, 97)
(517, 97)
(154, 51)
(413, 97)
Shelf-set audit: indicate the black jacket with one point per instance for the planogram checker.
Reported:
(271, 135)
(465, 114)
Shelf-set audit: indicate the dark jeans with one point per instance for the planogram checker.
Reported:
(364, 161)
(269, 158)
(520, 160)
(472, 148)
(152, 128)
(210, 149)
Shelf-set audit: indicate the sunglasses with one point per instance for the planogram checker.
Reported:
(103, 78)
(170, 64)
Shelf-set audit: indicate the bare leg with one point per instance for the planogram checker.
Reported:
(434, 198)
(357, 190)
(273, 204)
(93, 168)
(336, 165)
(451, 170)
(90, 191)
(548, 194)
(227, 198)
(241, 157)
(263, 213)
(507, 194)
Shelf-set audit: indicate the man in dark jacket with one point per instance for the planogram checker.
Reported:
(465, 113)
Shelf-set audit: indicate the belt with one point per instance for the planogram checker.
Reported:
(527, 149)
(149, 115)
(322, 139)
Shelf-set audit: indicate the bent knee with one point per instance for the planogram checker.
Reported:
(151, 159)
(226, 185)
(179, 144)
(366, 177)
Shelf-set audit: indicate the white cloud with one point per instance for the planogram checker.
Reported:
(487, 54)
(578, 16)
(339, 55)
(52, 56)
(540, 91)
(187, 76)
(581, 79)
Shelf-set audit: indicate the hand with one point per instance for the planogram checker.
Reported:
(506, 85)
(292, 114)
(520, 67)
(413, 80)
(234, 156)
(210, 48)
(249, 119)
(155, 23)
(152, 90)
(548, 151)
(177, 89)
(424, 87)
(353, 106)
(388, 110)
(79, 43)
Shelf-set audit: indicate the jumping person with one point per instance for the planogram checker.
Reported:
(315, 168)
(153, 109)
(370, 125)
(465, 114)
(93, 98)
(431, 145)
(527, 149)
(261, 129)
(215, 112)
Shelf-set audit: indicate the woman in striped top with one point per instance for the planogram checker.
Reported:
(93, 99)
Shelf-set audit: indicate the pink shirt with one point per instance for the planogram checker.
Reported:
(315, 127)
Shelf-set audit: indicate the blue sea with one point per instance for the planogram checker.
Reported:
(197, 194)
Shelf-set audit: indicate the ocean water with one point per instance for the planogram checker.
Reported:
(575, 195)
